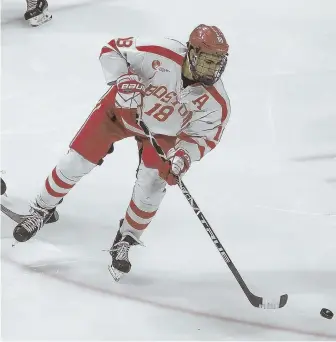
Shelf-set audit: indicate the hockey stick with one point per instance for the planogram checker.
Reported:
(256, 301)
(19, 217)
(11, 214)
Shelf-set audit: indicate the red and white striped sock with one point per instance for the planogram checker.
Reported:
(136, 219)
(55, 188)
(69, 171)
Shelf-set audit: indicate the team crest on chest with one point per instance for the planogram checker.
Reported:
(156, 65)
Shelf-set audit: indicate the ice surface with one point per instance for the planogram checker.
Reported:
(268, 190)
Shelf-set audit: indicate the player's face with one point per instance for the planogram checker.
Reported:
(208, 67)
(208, 64)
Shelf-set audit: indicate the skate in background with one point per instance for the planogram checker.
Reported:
(37, 12)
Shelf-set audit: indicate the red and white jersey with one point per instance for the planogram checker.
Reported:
(196, 115)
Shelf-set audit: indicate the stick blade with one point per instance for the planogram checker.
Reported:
(263, 303)
(283, 300)
(269, 304)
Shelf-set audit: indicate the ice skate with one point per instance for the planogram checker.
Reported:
(37, 12)
(119, 253)
(33, 222)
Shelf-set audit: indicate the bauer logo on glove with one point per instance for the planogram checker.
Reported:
(130, 87)
(130, 91)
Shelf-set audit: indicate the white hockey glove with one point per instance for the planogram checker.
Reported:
(130, 91)
(128, 98)
(176, 166)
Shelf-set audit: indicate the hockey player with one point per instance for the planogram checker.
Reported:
(37, 12)
(177, 92)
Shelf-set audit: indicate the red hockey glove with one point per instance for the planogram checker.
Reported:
(176, 166)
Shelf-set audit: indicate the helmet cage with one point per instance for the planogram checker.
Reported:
(200, 71)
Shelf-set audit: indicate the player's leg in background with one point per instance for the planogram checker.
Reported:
(148, 193)
(91, 144)
(37, 12)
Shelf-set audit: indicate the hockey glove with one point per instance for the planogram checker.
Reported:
(176, 166)
(128, 98)
(130, 91)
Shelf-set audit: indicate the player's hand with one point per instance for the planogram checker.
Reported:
(176, 166)
(128, 99)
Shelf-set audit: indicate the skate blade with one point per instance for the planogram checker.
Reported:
(116, 275)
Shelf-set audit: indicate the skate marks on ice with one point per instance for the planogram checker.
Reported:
(174, 294)
(35, 254)
(296, 212)
(320, 159)
(316, 157)
(180, 309)
(70, 252)
(40, 250)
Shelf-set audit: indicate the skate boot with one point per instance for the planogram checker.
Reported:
(119, 253)
(37, 12)
(33, 222)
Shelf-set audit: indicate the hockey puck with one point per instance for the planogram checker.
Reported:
(326, 313)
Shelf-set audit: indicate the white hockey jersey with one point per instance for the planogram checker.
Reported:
(196, 115)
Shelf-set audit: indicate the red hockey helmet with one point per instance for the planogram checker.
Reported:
(207, 54)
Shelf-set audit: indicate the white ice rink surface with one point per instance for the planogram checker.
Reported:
(269, 188)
